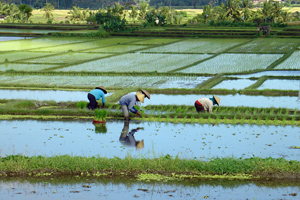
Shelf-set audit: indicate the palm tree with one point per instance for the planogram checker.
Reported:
(48, 9)
(267, 9)
(13, 12)
(277, 7)
(143, 10)
(207, 14)
(133, 14)
(233, 9)
(76, 14)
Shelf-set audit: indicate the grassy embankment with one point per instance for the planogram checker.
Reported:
(157, 169)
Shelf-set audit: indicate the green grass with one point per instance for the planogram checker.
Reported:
(251, 168)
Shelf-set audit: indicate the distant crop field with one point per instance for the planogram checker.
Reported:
(67, 58)
(267, 45)
(29, 44)
(109, 81)
(24, 67)
(226, 63)
(293, 62)
(198, 46)
(138, 62)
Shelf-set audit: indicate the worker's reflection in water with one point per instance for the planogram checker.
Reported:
(127, 138)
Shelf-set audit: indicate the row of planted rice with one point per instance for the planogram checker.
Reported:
(79, 81)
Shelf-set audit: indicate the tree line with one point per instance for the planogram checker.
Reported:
(240, 11)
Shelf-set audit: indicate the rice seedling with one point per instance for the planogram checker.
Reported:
(81, 104)
(100, 115)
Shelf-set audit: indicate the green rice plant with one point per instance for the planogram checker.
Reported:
(251, 120)
(243, 120)
(217, 119)
(192, 119)
(283, 121)
(272, 111)
(100, 115)
(81, 104)
(234, 120)
(275, 121)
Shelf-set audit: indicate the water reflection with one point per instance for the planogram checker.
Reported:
(65, 188)
(100, 128)
(127, 137)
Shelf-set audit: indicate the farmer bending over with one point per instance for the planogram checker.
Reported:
(95, 95)
(206, 104)
(128, 101)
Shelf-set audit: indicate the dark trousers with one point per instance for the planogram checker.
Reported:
(199, 108)
(93, 103)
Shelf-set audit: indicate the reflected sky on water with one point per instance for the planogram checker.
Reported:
(8, 38)
(82, 138)
(93, 188)
(46, 95)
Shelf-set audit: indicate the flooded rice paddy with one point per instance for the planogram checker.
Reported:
(280, 84)
(46, 95)
(118, 138)
(258, 101)
(8, 38)
(91, 188)
(268, 73)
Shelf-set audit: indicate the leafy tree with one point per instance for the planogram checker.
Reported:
(75, 14)
(26, 12)
(48, 9)
(118, 9)
(276, 11)
(13, 13)
(4, 8)
(267, 10)
(207, 14)
(143, 10)
(233, 9)
(134, 13)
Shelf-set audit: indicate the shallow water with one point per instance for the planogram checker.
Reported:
(234, 84)
(93, 188)
(8, 38)
(46, 95)
(82, 138)
(268, 73)
(16, 30)
(280, 84)
(227, 100)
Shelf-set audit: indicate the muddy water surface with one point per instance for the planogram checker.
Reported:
(93, 188)
(116, 138)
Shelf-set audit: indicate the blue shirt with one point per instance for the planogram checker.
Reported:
(129, 100)
(98, 95)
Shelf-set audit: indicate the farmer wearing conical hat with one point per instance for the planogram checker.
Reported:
(95, 95)
(128, 101)
(206, 104)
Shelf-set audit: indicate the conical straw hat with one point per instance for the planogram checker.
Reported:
(146, 93)
(140, 96)
(102, 88)
(140, 144)
(217, 100)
